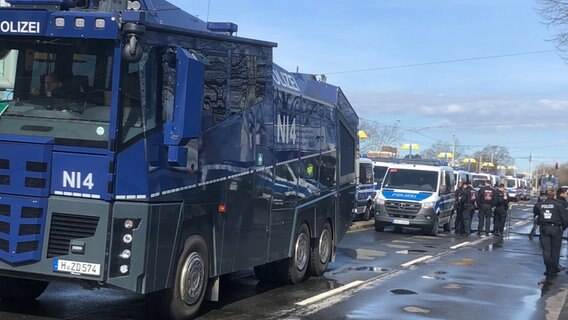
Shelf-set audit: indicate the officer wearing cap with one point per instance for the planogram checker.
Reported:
(467, 203)
(500, 210)
(487, 198)
(552, 219)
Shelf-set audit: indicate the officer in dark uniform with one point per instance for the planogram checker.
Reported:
(500, 211)
(532, 233)
(487, 198)
(459, 229)
(552, 220)
(561, 197)
(467, 203)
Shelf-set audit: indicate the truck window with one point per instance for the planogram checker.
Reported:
(365, 173)
(76, 112)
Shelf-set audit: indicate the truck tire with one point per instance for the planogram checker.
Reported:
(184, 299)
(321, 251)
(21, 290)
(294, 269)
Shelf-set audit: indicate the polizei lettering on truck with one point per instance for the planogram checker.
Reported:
(20, 27)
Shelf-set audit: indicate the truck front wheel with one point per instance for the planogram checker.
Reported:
(183, 300)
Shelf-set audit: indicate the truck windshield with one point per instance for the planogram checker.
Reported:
(409, 179)
(57, 88)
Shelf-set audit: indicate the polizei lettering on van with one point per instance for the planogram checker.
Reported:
(20, 27)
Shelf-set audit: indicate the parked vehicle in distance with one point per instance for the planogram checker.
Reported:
(416, 195)
(379, 170)
(461, 176)
(513, 187)
(365, 194)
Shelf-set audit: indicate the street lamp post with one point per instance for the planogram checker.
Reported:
(454, 150)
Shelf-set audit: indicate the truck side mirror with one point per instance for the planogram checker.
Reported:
(186, 118)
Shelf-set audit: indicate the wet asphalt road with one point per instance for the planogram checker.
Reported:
(481, 278)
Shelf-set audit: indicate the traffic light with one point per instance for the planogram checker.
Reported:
(556, 165)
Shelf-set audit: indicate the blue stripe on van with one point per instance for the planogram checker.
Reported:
(402, 195)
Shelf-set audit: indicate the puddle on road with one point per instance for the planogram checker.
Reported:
(411, 251)
(412, 309)
(402, 291)
(463, 262)
(453, 286)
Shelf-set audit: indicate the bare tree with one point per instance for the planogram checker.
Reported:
(497, 155)
(379, 135)
(555, 14)
(440, 146)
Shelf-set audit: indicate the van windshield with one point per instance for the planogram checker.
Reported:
(365, 173)
(379, 172)
(410, 179)
(510, 183)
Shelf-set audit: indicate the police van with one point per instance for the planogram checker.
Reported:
(416, 194)
(365, 193)
(461, 176)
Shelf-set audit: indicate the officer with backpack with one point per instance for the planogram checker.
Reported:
(467, 204)
(552, 219)
(486, 198)
(501, 207)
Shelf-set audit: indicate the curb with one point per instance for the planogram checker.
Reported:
(361, 225)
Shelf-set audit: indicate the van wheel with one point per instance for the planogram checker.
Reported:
(451, 222)
(296, 267)
(367, 214)
(321, 251)
(183, 300)
(21, 290)
(434, 230)
(379, 227)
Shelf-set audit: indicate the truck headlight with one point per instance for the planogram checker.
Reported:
(380, 201)
(428, 205)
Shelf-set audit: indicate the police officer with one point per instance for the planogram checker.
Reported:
(552, 220)
(467, 204)
(500, 210)
(487, 198)
(561, 197)
(535, 219)
(459, 229)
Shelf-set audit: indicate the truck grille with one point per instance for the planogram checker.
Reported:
(22, 225)
(402, 209)
(67, 227)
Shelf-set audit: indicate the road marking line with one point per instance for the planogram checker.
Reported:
(409, 263)
(329, 293)
(460, 245)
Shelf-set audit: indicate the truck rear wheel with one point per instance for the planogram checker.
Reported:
(321, 251)
(296, 267)
(21, 290)
(183, 300)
